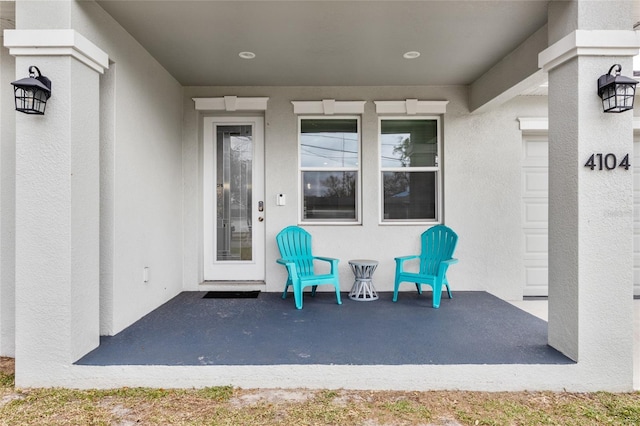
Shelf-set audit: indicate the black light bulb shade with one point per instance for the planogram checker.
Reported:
(32, 93)
(616, 91)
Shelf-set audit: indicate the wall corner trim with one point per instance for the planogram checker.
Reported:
(411, 107)
(328, 107)
(56, 43)
(231, 103)
(590, 43)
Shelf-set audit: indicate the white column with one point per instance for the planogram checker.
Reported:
(57, 205)
(7, 206)
(590, 211)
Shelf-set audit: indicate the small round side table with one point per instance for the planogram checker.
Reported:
(363, 289)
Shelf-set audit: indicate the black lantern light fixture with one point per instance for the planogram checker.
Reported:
(32, 92)
(617, 91)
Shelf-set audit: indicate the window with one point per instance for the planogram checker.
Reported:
(329, 169)
(410, 169)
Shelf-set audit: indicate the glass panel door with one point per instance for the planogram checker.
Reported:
(234, 165)
(233, 194)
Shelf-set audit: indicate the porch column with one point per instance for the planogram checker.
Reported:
(57, 205)
(590, 211)
(7, 205)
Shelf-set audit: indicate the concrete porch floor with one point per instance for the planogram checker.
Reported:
(472, 328)
(187, 348)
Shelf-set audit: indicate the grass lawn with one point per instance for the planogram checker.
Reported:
(233, 406)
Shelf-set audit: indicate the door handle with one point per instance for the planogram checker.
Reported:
(260, 206)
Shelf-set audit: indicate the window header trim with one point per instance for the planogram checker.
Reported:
(231, 103)
(411, 107)
(328, 107)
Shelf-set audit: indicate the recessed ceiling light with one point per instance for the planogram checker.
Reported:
(247, 55)
(411, 55)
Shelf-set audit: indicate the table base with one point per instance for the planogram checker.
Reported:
(363, 291)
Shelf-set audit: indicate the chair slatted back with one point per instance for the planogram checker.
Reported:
(294, 244)
(438, 244)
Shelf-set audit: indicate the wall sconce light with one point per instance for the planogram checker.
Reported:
(32, 92)
(617, 92)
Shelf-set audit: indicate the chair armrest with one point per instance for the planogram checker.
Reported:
(326, 259)
(290, 265)
(444, 265)
(331, 260)
(400, 261)
(403, 258)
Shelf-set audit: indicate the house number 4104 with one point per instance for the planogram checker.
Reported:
(607, 162)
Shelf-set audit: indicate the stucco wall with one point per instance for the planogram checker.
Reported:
(143, 197)
(7, 205)
(482, 187)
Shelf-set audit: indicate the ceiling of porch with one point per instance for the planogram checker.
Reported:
(328, 43)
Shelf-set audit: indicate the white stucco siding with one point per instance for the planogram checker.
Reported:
(145, 197)
(482, 167)
(85, 209)
(481, 187)
(147, 202)
(7, 205)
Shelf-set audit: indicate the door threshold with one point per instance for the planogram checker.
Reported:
(232, 286)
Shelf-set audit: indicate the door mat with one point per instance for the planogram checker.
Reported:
(231, 294)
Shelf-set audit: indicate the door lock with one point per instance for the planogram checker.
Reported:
(261, 219)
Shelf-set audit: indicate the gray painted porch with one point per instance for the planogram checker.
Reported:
(471, 328)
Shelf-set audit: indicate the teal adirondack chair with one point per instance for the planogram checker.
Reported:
(294, 244)
(438, 245)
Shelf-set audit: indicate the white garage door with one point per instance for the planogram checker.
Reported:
(535, 202)
(535, 184)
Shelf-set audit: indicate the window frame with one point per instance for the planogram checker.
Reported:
(357, 170)
(437, 169)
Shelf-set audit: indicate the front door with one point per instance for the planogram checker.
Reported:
(234, 199)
